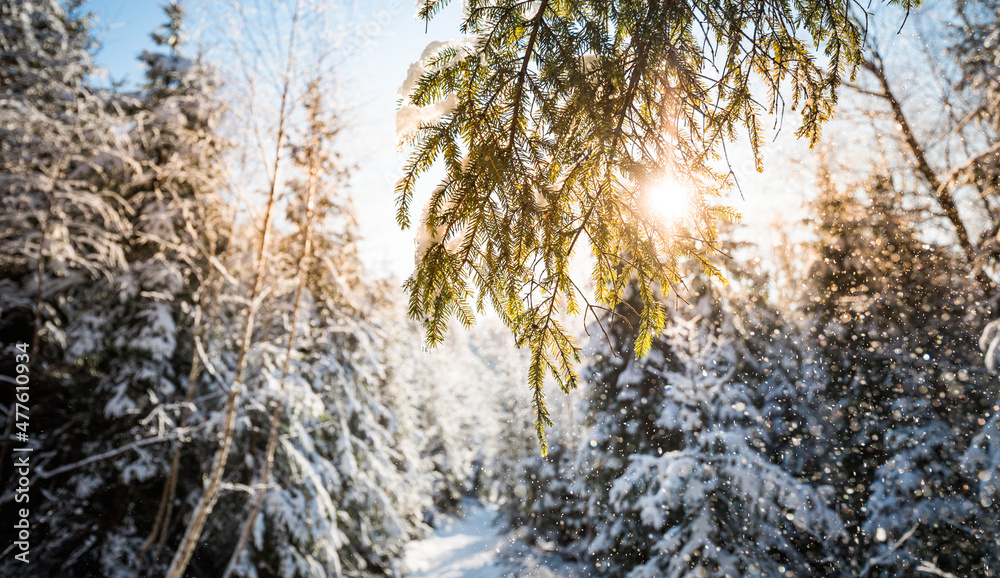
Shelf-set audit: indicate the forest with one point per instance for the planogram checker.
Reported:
(692, 288)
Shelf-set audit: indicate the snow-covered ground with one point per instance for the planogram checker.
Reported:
(460, 547)
(472, 546)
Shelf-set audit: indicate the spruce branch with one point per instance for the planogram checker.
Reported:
(564, 119)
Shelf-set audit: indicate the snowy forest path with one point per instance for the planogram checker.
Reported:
(464, 547)
(476, 546)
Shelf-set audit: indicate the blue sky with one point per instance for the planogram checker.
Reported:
(123, 27)
(392, 40)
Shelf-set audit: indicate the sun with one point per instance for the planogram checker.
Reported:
(669, 200)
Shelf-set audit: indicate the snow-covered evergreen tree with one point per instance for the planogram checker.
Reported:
(541, 498)
(981, 464)
(138, 223)
(924, 511)
(431, 436)
(506, 476)
(547, 496)
(336, 499)
(785, 381)
(695, 507)
(471, 434)
(59, 229)
(902, 384)
(57, 224)
(620, 412)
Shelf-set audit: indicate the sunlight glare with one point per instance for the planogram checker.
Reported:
(669, 200)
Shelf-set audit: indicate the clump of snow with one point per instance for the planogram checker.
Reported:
(410, 117)
(589, 62)
(464, 46)
(989, 342)
(158, 334)
(456, 242)
(427, 236)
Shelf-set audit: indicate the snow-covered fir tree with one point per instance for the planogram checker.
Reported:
(620, 413)
(506, 477)
(774, 357)
(441, 397)
(336, 501)
(431, 435)
(981, 464)
(692, 508)
(548, 497)
(904, 389)
(61, 227)
(137, 223)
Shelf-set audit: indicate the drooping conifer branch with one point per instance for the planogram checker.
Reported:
(622, 95)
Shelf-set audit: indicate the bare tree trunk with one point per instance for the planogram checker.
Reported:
(315, 145)
(942, 191)
(199, 516)
(162, 518)
(203, 317)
